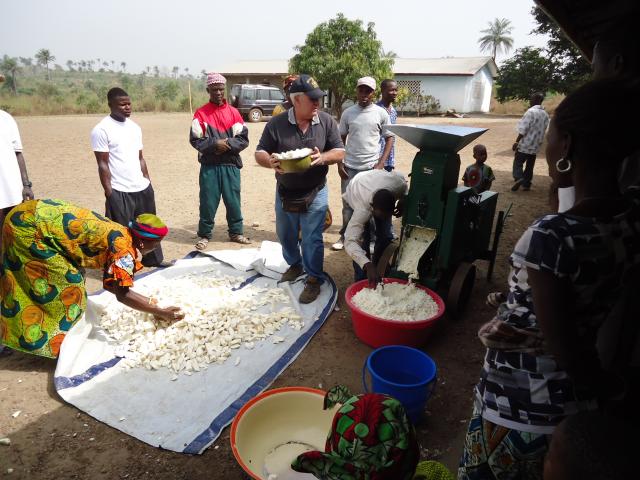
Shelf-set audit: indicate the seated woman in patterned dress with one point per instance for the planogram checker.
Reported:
(47, 246)
(568, 271)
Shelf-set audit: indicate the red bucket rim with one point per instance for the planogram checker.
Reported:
(357, 286)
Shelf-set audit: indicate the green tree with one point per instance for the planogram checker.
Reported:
(496, 39)
(528, 71)
(402, 99)
(10, 66)
(572, 69)
(44, 58)
(338, 52)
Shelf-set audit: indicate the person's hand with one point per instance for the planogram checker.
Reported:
(379, 166)
(275, 163)
(222, 146)
(27, 194)
(342, 172)
(169, 314)
(515, 147)
(316, 157)
(108, 192)
(372, 274)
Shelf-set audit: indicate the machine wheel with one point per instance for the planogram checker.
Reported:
(386, 258)
(255, 115)
(460, 288)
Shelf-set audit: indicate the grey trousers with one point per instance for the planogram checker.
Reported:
(124, 207)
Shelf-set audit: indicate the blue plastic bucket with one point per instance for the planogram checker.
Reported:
(404, 373)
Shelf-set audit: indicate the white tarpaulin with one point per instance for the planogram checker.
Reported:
(187, 414)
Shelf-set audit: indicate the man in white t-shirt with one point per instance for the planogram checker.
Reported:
(361, 127)
(117, 145)
(15, 186)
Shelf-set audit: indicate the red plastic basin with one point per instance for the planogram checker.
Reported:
(377, 332)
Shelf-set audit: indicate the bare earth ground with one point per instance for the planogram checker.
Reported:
(53, 440)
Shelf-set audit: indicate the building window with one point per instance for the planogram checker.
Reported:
(414, 86)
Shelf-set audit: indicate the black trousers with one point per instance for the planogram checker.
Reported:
(124, 207)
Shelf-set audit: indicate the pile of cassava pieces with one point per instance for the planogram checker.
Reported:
(219, 317)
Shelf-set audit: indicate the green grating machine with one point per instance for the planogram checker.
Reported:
(445, 227)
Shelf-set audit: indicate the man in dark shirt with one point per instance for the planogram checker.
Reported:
(302, 198)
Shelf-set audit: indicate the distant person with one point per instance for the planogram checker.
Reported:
(362, 126)
(301, 199)
(219, 134)
(389, 92)
(479, 175)
(373, 195)
(15, 186)
(591, 446)
(117, 145)
(286, 105)
(531, 130)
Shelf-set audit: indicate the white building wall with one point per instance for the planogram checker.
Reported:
(462, 93)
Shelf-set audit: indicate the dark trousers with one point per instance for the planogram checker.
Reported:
(124, 207)
(382, 229)
(528, 161)
(218, 181)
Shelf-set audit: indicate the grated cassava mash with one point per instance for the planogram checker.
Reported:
(396, 301)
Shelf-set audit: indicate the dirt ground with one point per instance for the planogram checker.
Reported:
(53, 440)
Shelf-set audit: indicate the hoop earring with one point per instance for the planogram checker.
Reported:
(566, 169)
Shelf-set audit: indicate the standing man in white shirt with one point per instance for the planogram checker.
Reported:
(373, 195)
(361, 127)
(531, 130)
(117, 145)
(15, 186)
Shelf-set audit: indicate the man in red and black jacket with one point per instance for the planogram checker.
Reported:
(219, 134)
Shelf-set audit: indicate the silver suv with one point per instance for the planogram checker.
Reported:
(255, 101)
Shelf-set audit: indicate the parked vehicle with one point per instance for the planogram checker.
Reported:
(255, 101)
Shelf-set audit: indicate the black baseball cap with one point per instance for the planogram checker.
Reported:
(306, 84)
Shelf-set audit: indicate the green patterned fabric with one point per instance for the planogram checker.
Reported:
(371, 438)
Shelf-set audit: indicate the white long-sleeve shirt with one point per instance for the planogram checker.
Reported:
(359, 196)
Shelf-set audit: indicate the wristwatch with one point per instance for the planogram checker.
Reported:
(28, 184)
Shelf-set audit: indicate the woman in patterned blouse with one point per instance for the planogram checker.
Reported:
(568, 272)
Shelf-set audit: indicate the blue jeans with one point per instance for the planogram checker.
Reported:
(383, 237)
(310, 225)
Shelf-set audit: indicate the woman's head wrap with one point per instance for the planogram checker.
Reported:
(289, 80)
(148, 226)
(370, 437)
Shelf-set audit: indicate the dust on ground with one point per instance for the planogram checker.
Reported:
(53, 440)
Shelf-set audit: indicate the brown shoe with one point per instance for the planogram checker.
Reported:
(311, 290)
(293, 272)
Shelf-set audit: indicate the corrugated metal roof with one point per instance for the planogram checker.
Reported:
(402, 66)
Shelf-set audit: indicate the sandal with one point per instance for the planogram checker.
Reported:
(494, 299)
(202, 243)
(239, 238)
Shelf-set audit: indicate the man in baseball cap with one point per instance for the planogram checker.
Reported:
(306, 84)
(302, 197)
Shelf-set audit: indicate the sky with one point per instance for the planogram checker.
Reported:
(209, 35)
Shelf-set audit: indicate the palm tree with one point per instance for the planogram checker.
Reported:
(44, 57)
(123, 66)
(10, 65)
(496, 38)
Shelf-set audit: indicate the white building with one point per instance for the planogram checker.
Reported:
(463, 84)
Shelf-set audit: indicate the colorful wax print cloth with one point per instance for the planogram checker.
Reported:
(495, 452)
(370, 439)
(47, 245)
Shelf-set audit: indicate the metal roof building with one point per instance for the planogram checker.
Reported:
(464, 84)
